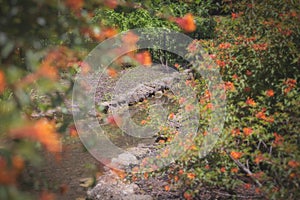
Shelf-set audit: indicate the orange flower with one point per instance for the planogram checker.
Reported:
(74, 4)
(270, 93)
(112, 73)
(235, 132)
(209, 106)
(236, 155)
(235, 170)
(109, 32)
(236, 15)
(259, 158)
(42, 131)
(119, 173)
(176, 178)
(207, 167)
(293, 164)
(193, 147)
(278, 139)
(293, 13)
(167, 187)
(146, 175)
(223, 169)
(250, 102)
(291, 83)
(143, 122)
(191, 175)
(171, 116)
(258, 175)
(257, 190)
(247, 186)
(261, 115)
(235, 76)
(292, 175)
(186, 23)
(187, 196)
(229, 86)
(100, 36)
(10, 172)
(47, 70)
(2, 81)
(224, 45)
(73, 131)
(286, 32)
(247, 131)
(176, 65)
(161, 141)
(180, 172)
(144, 58)
(220, 63)
(260, 47)
(134, 178)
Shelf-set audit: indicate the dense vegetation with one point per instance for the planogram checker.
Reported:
(255, 46)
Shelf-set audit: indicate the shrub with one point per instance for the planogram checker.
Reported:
(257, 51)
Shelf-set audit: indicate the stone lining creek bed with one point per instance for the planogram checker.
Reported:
(131, 96)
(70, 172)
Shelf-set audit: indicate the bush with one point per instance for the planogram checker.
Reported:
(257, 51)
(156, 14)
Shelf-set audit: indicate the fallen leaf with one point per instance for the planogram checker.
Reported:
(86, 182)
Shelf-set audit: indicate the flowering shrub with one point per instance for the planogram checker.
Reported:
(190, 17)
(257, 51)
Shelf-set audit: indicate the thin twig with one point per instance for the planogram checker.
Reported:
(270, 149)
(245, 169)
(258, 146)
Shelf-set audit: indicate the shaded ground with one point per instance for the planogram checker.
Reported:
(62, 174)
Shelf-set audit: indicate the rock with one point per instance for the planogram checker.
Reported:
(131, 96)
(138, 197)
(125, 159)
(140, 151)
(110, 186)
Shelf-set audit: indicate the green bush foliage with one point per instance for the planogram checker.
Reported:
(257, 51)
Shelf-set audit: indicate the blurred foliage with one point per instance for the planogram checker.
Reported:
(42, 46)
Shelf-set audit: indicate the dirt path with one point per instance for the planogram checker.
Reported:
(62, 174)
